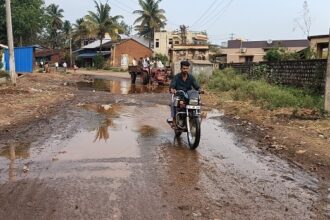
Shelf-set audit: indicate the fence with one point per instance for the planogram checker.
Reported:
(299, 73)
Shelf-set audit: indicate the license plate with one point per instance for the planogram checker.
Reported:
(193, 107)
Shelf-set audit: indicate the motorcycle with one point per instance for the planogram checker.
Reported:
(188, 116)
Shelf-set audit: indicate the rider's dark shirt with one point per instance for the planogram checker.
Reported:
(179, 84)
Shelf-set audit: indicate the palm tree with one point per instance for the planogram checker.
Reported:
(151, 18)
(55, 15)
(100, 22)
(126, 29)
(67, 30)
(80, 32)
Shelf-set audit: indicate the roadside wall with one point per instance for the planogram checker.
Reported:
(299, 73)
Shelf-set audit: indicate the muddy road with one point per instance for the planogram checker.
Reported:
(109, 154)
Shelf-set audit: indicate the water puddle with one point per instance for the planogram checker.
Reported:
(120, 87)
(105, 147)
(12, 157)
(222, 167)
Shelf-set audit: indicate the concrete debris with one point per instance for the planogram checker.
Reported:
(197, 214)
(35, 90)
(301, 151)
(106, 107)
(25, 169)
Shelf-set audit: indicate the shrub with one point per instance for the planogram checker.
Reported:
(202, 79)
(278, 54)
(3, 73)
(225, 80)
(107, 66)
(262, 93)
(79, 62)
(310, 53)
(260, 72)
(98, 61)
(273, 55)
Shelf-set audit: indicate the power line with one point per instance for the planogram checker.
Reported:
(125, 5)
(135, 2)
(221, 13)
(122, 8)
(210, 14)
(202, 16)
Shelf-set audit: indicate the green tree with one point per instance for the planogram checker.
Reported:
(99, 61)
(273, 54)
(80, 32)
(55, 24)
(67, 31)
(278, 54)
(28, 21)
(126, 29)
(100, 22)
(310, 53)
(151, 18)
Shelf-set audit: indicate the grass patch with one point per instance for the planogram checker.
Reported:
(262, 93)
(4, 74)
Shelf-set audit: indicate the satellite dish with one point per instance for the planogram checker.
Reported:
(270, 41)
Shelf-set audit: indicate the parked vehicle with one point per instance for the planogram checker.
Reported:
(188, 116)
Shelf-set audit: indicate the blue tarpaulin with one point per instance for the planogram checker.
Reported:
(23, 59)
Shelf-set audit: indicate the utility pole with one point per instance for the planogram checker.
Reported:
(183, 29)
(232, 36)
(70, 52)
(10, 38)
(327, 82)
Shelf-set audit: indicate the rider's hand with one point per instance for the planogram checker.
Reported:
(201, 91)
(173, 91)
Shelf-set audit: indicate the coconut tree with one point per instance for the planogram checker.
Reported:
(80, 32)
(55, 23)
(100, 22)
(151, 18)
(126, 29)
(67, 30)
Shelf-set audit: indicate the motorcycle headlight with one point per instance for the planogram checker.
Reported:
(193, 102)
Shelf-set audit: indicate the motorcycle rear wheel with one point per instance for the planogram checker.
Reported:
(195, 133)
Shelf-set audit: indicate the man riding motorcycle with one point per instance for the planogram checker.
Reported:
(182, 81)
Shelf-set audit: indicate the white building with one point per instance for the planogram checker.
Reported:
(165, 40)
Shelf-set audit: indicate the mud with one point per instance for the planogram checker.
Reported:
(107, 155)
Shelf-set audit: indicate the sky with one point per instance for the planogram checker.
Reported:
(221, 19)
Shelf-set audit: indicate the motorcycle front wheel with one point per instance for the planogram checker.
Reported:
(177, 133)
(195, 133)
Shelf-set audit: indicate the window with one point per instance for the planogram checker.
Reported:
(176, 42)
(248, 59)
(157, 43)
(170, 41)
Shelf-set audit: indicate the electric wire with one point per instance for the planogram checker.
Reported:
(210, 14)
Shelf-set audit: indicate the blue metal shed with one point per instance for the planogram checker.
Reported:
(23, 59)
